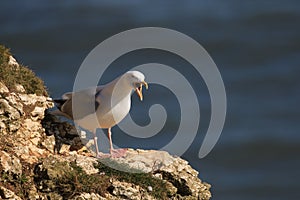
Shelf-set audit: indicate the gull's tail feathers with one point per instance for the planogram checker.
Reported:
(59, 103)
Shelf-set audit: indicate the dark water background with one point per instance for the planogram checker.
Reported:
(255, 44)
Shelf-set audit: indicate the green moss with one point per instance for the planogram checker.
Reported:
(19, 184)
(11, 75)
(77, 181)
(142, 179)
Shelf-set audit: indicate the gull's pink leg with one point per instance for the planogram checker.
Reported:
(98, 153)
(111, 148)
(116, 153)
(96, 142)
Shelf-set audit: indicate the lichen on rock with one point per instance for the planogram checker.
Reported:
(41, 157)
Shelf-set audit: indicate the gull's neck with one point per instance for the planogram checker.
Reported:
(119, 89)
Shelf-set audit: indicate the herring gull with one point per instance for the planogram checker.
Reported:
(112, 103)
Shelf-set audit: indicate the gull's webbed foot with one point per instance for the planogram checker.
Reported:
(118, 153)
(102, 155)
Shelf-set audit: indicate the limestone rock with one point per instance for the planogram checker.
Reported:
(129, 191)
(10, 163)
(146, 160)
(40, 158)
(88, 196)
(12, 61)
(181, 178)
(86, 163)
(52, 168)
(9, 117)
(3, 88)
(8, 194)
(19, 88)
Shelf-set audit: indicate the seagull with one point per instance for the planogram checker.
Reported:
(112, 103)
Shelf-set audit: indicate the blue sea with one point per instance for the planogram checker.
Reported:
(255, 44)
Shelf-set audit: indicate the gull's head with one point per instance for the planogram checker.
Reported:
(136, 79)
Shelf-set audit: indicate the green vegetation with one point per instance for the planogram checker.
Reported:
(4, 55)
(66, 179)
(11, 75)
(20, 184)
(76, 181)
(142, 179)
(51, 176)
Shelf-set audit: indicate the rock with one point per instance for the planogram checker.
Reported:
(86, 163)
(52, 196)
(49, 143)
(181, 178)
(21, 114)
(88, 196)
(8, 194)
(3, 88)
(181, 181)
(9, 116)
(14, 101)
(145, 160)
(33, 193)
(129, 191)
(2, 127)
(10, 163)
(52, 168)
(12, 61)
(19, 88)
(42, 157)
(172, 189)
(150, 189)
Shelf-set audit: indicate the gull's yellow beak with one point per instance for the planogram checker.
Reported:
(140, 89)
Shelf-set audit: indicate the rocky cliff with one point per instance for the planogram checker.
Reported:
(42, 157)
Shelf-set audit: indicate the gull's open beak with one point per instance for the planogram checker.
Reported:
(139, 90)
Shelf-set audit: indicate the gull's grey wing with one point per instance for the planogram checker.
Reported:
(83, 98)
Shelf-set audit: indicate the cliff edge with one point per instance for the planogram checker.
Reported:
(42, 157)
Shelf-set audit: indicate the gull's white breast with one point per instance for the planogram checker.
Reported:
(117, 112)
(106, 115)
